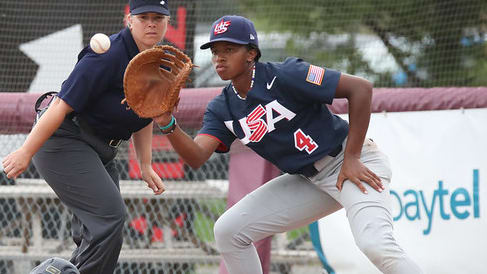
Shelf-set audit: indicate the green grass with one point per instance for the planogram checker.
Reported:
(203, 225)
(296, 233)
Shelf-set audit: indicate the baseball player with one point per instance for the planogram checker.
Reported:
(70, 143)
(278, 110)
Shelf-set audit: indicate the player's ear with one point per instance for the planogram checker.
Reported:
(251, 54)
(128, 20)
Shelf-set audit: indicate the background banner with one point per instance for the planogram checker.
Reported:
(439, 163)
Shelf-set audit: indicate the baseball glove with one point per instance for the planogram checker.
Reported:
(153, 79)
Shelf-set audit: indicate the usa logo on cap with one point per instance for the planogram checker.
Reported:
(221, 27)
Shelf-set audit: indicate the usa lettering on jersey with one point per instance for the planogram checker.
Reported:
(221, 27)
(261, 121)
(315, 75)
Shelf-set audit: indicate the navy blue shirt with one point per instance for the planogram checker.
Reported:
(94, 89)
(283, 118)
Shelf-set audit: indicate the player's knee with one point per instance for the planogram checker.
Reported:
(120, 218)
(115, 219)
(370, 248)
(223, 232)
(228, 236)
(376, 243)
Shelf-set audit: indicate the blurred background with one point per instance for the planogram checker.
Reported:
(407, 43)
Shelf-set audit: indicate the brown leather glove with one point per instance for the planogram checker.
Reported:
(153, 79)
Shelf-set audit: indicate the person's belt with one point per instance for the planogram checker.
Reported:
(114, 142)
(310, 170)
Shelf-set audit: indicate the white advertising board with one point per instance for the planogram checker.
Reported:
(439, 192)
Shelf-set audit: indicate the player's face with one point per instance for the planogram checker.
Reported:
(148, 29)
(229, 59)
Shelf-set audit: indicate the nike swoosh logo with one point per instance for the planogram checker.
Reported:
(269, 86)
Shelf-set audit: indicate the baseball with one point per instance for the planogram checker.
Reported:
(100, 43)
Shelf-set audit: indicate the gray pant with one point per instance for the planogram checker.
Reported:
(291, 201)
(91, 191)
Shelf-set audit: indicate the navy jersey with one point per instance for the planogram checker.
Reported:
(94, 89)
(283, 118)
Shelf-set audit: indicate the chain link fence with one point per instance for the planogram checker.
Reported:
(168, 233)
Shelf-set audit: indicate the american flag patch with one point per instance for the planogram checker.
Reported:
(315, 75)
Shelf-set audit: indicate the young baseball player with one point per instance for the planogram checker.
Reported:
(278, 110)
(69, 143)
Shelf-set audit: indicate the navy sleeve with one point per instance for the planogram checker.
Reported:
(92, 75)
(214, 126)
(308, 82)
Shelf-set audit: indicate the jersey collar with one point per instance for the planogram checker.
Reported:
(129, 42)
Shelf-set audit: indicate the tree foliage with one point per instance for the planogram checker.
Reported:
(433, 42)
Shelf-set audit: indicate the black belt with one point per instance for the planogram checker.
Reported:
(114, 142)
(310, 170)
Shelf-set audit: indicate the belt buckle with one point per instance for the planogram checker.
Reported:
(115, 143)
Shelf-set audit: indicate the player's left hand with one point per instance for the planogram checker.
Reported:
(153, 180)
(355, 171)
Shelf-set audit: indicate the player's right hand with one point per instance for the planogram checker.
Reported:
(15, 163)
(356, 172)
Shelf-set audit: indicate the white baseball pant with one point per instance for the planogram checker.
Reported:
(291, 201)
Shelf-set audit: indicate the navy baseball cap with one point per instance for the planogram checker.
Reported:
(233, 28)
(143, 6)
(55, 265)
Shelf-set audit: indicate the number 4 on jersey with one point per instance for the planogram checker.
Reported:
(303, 141)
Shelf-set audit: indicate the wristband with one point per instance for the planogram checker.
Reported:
(171, 126)
(166, 127)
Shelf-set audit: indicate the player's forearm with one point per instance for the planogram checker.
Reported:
(191, 152)
(359, 103)
(143, 145)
